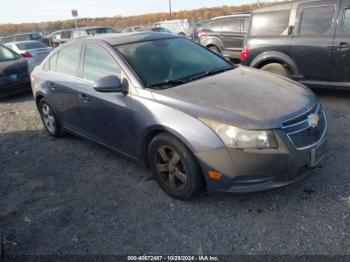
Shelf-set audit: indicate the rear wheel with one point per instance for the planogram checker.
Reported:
(276, 68)
(174, 167)
(49, 119)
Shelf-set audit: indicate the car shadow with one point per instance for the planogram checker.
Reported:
(18, 98)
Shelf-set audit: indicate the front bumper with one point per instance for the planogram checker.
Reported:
(253, 170)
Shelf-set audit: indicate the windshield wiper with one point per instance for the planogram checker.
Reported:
(168, 83)
(208, 73)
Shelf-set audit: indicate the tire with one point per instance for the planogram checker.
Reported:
(215, 49)
(182, 180)
(276, 68)
(50, 119)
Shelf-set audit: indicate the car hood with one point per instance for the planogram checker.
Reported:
(245, 97)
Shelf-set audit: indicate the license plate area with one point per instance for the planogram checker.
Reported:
(317, 154)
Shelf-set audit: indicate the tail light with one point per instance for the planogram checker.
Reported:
(27, 55)
(245, 53)
(202, 33)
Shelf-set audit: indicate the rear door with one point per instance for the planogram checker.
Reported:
(63, 84)
(313, 39)
(232, 36)
(341, 46)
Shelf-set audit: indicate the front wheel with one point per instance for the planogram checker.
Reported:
(174, 167)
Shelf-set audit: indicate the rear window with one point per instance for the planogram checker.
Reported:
(97, 31)
(270, 23)
(30, 45)
(316, 20)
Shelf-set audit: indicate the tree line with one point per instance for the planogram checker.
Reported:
(123, 22)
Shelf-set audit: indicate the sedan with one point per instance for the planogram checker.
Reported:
(196, 120)
(33, 51)
(14, 76)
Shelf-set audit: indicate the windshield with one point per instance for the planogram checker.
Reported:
(97, 31)
(30, 45)
(164, 63)
(7, 55)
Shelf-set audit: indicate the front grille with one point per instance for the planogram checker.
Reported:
(305, 135)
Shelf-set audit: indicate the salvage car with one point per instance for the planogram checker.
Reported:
(308, 41)
(14, 76)
(194, 118)
(33, 51)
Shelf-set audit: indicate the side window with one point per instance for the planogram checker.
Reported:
(68, 60)
(53, 63)
(21, 38)
(99, 63)
(346, 23)
(270, 23)
(231, 25)
(245, 22)
(215, 26)
(316, 20)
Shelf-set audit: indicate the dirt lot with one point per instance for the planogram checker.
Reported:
(71, 196)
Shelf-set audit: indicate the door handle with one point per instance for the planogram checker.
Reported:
(343, 46)
(84, 98)
(52, 85)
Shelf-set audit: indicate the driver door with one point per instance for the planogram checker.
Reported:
(106, 117)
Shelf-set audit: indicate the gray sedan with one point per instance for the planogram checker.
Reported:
(195, 119)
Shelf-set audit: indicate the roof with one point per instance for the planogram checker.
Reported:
(24, 42)
(128, 38)
(247, 14)
(92, 27)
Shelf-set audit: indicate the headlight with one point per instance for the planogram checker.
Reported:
(236, 137)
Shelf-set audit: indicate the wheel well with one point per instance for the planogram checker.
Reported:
(38, 99)
(147, 140)
(264, 63)
(145, 144)
(182, 33)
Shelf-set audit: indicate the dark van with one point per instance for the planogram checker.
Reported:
(225, 34)
(308, 41)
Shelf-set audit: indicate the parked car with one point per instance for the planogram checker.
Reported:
(133, 29)
(193, 117)
(308, 41)
(14, 76)
(33, 51)
(182, 27)
(225, 35)
(60, 37)
(159, 30)
(92, 31)
(200, 27)
(26, 37)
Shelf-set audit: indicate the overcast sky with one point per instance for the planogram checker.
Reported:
(20, 11)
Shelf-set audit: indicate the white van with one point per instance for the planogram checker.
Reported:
(179, 27)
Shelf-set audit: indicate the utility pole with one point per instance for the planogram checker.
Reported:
(170, 12)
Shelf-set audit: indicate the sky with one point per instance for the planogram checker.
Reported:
(22, 11)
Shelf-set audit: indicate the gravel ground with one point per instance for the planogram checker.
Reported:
(71, 196)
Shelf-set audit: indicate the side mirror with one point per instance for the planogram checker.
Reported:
(110, 84)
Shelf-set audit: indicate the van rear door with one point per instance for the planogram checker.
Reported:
(313, 39)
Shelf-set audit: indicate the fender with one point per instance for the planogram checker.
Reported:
(213, 40)
(275, 56)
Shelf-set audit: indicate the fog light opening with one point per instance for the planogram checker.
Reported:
(214, 175)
